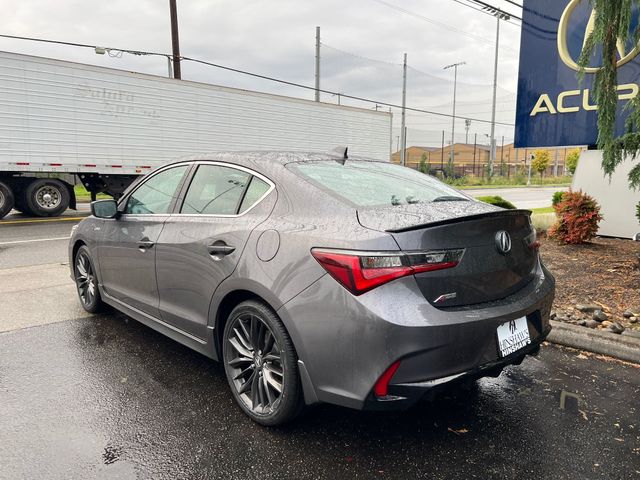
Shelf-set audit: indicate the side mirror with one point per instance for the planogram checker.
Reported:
(104, 209)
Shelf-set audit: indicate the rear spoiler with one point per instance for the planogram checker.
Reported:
(467, 218)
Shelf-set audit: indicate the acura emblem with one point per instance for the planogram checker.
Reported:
(503, 242)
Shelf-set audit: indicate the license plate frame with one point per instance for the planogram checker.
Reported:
(512, 336)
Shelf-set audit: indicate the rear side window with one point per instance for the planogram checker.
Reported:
(371, 184)
(257, 189)
(215, 190)
(156, 193)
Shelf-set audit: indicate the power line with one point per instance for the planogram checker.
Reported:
(496, 9)
(257, 75)
(84, 45)
(434, 22)
(343, 95)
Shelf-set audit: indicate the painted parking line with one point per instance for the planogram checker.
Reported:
(17, 242)
(42, 220)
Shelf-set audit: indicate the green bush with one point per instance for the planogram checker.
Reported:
(498, 202)
(638, 211)
(557, 198)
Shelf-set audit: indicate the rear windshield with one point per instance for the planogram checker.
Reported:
(370, 184)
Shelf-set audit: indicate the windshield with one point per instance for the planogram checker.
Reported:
(371, 184)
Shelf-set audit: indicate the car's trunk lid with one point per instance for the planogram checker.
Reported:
(486, 272)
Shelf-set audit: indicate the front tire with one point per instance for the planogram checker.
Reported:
(261, 365)
(87, 282)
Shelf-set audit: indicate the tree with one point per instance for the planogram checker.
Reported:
(540, 162)
(612, 25)
(424, 164)
(571, 162)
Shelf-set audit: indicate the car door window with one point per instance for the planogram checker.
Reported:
(256, 190)
(156, 194)
(215, 190)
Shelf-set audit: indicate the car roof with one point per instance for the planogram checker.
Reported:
(245, 158)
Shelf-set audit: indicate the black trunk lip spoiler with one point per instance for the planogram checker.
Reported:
(464, 218)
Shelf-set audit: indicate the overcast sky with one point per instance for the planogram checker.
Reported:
(363, 43)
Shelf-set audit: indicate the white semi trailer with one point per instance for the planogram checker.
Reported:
(63, 122)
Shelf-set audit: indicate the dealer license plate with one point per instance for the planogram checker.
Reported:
(513, 335)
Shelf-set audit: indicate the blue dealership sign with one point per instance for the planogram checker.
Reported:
(554, 108)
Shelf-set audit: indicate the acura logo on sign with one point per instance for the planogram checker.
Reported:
(503, 242)
(625, 53)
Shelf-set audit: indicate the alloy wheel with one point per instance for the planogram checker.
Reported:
(85, 279)
(256, 365)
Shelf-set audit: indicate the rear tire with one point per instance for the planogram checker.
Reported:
(7, 199)
(84, 274)
(47, 197)
(261, 365)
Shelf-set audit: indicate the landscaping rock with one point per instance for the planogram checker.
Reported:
(606, 323)
(633, 320)
(587, 307)
(591, 323)
(554, 315)
(633, 311)
(600, 316)
(627, 314)
(582, 323)
(616, 328)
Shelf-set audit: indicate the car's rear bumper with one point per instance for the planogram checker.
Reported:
(346, 343)
(405, 395)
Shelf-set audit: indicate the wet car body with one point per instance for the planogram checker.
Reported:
(420, 330)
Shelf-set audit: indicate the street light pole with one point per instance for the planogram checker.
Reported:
(403, 130)
(317, 96)
(500, 15)
(175, 43)
(453, 118)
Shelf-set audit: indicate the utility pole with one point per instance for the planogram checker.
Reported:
(175, 39)
(500, 15)
(318, 66)
(404, 112)
(453, 118)
(467, 125)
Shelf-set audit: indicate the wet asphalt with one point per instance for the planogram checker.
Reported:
(106, 397)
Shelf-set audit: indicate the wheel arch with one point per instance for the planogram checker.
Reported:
(230, 300)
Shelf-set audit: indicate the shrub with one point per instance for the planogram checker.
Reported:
(638, 211)
(578, 218)
(498, 202)
(572, 160)
(557, 198)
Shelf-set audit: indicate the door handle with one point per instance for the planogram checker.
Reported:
(144, 245)
(220, 249)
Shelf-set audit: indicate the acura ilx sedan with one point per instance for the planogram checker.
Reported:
(318, 278)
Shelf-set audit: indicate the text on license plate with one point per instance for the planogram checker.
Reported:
(513, 335)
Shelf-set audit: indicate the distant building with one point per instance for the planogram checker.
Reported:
(473, 159)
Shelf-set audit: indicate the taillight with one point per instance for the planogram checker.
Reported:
(531, 240)
(360, 272)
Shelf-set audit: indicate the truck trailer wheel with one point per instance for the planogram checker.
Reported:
(47, 197)
(6, 200)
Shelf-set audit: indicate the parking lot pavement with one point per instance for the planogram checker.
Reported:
(106, 397)
(521, 197)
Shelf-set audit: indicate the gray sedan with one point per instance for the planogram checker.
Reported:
(318, 278)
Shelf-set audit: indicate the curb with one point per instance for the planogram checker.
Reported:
(622, 347)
